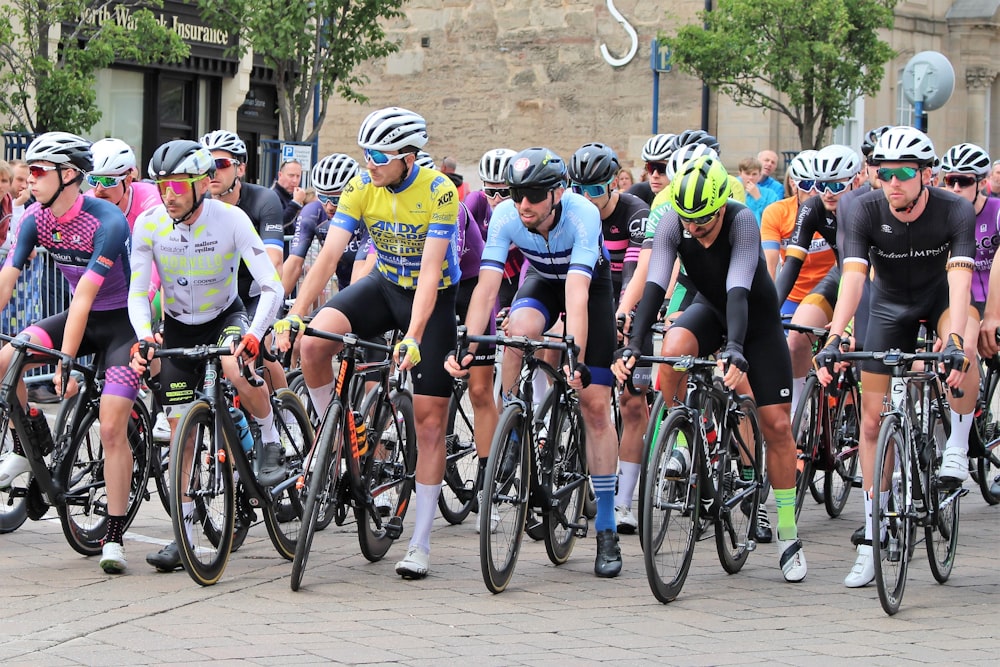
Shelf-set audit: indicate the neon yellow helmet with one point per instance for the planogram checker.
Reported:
(700, 188)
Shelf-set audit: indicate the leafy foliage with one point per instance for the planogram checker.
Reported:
(308, 45)
(806, 60)
(47, 85)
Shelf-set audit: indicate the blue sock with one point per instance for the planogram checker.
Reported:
(604, 489)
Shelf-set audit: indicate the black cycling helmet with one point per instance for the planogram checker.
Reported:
(688, 137)
(181, 156)
(535, 168)
(593, 164)
(871, 138)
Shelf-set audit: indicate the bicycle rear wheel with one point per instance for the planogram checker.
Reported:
(458, 493)
(388, 472)
(842, 475)
(505, 493)
(740, 468)
(85, 510)
(892, 552)
(203, 524)
(283, 515)
(317, 488)
(671, 507)
(987, 431)
(806, 425)
(568, 481)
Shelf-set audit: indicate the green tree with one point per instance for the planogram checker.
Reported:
(806, 60)
(314, 45)
(47, 85)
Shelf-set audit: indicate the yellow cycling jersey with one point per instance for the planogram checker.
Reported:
(401, 219)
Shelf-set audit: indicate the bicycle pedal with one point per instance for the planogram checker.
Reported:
(394, 528)
(751, 545)
(580, 529)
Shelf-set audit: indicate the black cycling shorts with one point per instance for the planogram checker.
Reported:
(894, 322)
(374, 305)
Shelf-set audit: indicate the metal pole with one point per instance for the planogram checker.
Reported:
(656, 101)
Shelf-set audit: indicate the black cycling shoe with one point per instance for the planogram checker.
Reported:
(272, 465)
(166, 559)
(858, 536)
(609, 555)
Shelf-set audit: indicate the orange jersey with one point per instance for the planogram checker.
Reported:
(776, 228)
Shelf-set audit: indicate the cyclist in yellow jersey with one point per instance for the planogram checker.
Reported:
(411, 214)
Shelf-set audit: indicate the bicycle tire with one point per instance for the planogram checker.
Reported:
(458, 493)
(283, 515)
(211, 512)
(892, 560)
(738, 498)
(388, 472)
(568, 481)
(13, 504)
(297, 385)
(669, 525)
(941, 534)
(657, 415)
(159, 464)
(987, 426)
(84, 511)
(840, 477)
(506, 488)
(318, 484)
(805, 431)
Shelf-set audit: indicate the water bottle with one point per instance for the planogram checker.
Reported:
(38, 431)
(242, 429)
(360, 432)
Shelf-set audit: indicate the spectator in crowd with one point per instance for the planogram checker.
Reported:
(624, 180)
(292, 195)
(448, 167)
(758, 197)
(993, 182)
(768, 163)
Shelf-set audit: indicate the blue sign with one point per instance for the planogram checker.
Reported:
(287, 152)
(659, 58)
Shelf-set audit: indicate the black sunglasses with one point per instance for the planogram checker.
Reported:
(533, 195)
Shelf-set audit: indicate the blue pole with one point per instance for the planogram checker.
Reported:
(918, 113)
(656, 101)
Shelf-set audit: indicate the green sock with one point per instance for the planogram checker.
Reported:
(785, 500)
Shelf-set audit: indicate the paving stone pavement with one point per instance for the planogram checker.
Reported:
(63, 610)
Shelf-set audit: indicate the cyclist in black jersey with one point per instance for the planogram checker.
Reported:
(920, 242)
(719, 242)
(592, 170)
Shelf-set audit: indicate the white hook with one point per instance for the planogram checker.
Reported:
(610, 59)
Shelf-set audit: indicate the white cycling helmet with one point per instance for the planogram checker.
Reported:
(659, 147)
(61, 148)
(332, 173)
(392, 128)
(904, 144)
(836, 162)
(493, 164)
(802, 167)
(966, 159)
(112, 157)
(685, 154)
(224, 140)
(425, 161)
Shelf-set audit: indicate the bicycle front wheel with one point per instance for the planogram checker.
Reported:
(203, 501)
(842, 473)
(892, 552)
(671, 507)
(388, 470)
(568, 481)
(13, 504)
(458, 493)
(941, 533)
(740, 479)
(283, 515)
(806, 425)
(505, 499)
(987, 426)
(84, 512)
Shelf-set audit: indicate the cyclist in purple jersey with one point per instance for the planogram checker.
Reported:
(89, 240)
(592, 170)
(481, 204)
(329, 178)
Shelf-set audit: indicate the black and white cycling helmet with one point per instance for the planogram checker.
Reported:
(332, 173)
(904, 144)
(493, 164)
(836, 162)
(688, 137)
(224, 140)
(112, 157)
(659, 148)
(391, 129)
(181, 156)
(425, 161)
(966, 159)
(802, 166)
(61, 148)
(871, 138)
(685, 154)
(593, 164)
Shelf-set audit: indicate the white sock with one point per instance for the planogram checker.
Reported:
(188, 508)
(627, 479)
(427, 497)
(268, 432)
(798, 384)
(321, 397)
(960, 427)
(540, 381)
(868, 516)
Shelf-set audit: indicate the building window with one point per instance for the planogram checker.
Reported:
(904, 110)
(120, 98)
(850, 132)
